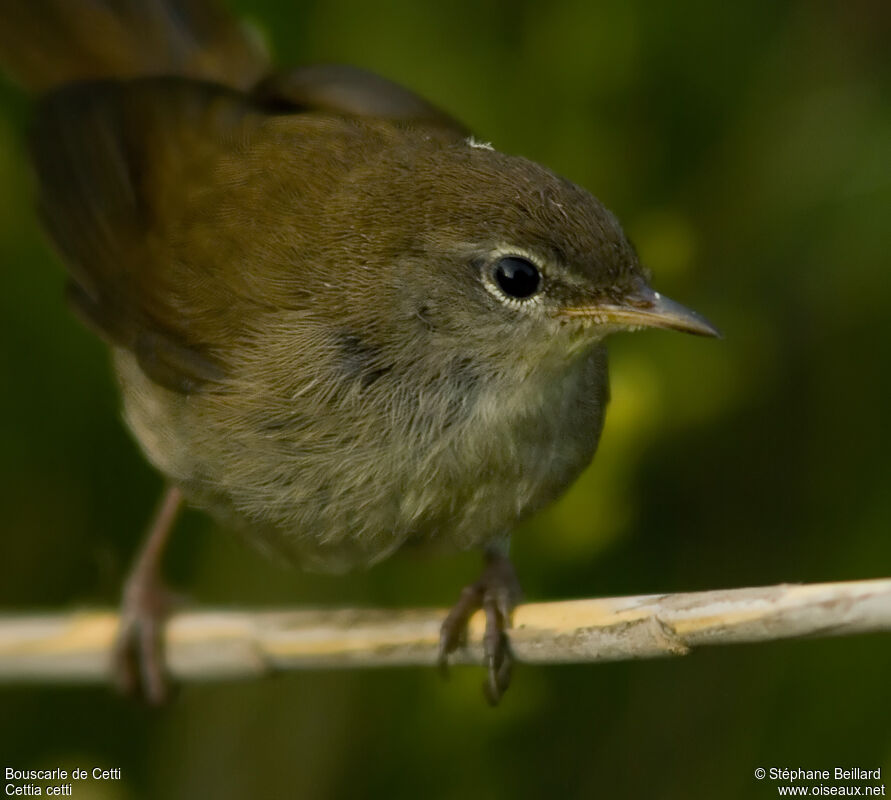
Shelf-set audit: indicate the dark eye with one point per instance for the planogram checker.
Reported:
(517, 277)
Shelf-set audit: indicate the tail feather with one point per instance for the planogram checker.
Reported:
(47, 43)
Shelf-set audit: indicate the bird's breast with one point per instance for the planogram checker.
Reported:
(359, 459)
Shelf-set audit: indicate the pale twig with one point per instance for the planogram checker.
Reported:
(204, 645)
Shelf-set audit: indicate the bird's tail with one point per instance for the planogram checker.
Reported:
(47, 43)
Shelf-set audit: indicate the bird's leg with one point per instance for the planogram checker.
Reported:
(497, 593)
(138, 658)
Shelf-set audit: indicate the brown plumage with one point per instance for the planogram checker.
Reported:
(338, 323)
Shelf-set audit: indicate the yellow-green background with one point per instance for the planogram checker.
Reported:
(747, 149)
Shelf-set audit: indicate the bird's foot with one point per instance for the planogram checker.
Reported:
(138, 655)
(497, 593)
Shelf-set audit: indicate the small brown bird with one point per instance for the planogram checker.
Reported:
(340, 324)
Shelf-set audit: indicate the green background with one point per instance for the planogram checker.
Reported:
(747, 149)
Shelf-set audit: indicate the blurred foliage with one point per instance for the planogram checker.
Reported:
(747, 148)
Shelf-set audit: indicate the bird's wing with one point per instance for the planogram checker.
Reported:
(116, 165)
(175, 204)
(352, 92)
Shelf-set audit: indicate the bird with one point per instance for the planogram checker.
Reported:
(340, 323)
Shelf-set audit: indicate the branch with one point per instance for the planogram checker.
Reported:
(205, 645)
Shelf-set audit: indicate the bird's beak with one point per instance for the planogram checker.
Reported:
(646, 309)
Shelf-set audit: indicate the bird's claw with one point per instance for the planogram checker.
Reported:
(497, 593)
(138, 655)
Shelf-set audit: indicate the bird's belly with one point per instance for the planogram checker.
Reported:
(331, 504)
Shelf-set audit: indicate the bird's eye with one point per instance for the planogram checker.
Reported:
(517, 277)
